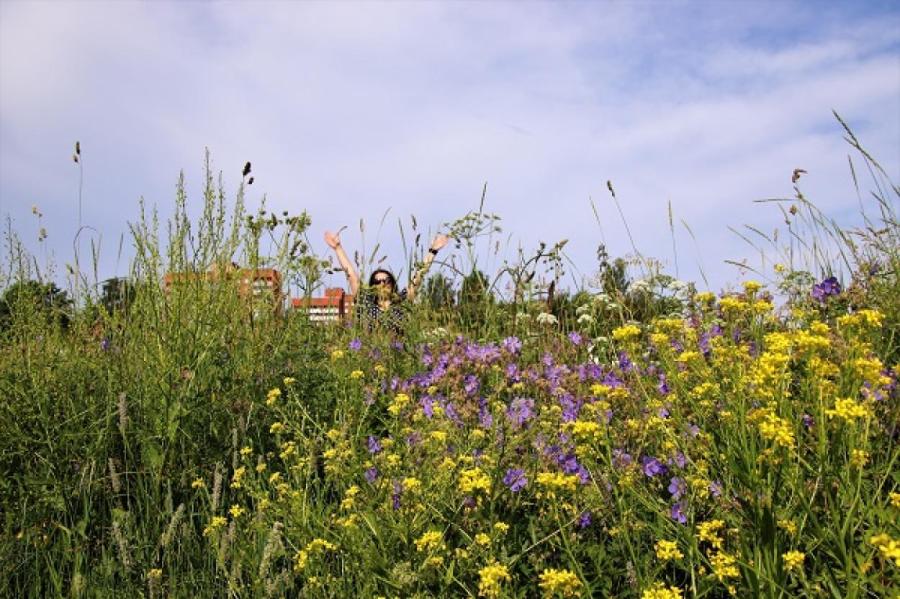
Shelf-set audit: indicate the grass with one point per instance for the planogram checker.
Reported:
(639, 439)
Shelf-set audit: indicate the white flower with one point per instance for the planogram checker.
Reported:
(585, 319)
(546, 318)
(523, 316)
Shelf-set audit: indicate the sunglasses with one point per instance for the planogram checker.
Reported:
(381, 280)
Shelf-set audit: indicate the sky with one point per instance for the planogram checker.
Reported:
(352, 110)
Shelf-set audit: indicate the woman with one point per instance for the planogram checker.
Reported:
(381, 302)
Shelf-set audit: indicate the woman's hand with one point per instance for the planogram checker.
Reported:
(332, 239)
(440, 240)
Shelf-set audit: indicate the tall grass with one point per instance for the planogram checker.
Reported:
(634, 439)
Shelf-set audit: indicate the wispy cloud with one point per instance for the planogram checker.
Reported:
(348, 109)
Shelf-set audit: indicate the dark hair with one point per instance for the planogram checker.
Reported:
(389, 274)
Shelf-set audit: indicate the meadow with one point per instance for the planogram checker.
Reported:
(636, 438)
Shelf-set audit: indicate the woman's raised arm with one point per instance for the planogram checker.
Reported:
(439, 242)
(334, 242)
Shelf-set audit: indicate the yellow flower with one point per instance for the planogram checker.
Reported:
(245, 451)
(847, 409)
(430, 541)
(154, 574)
(708, 531)
(793, 560)
(559, 582)
(356, 374)
(723, 566)
(337, 354)
(272, 396)
(889, 548)
(661, 591)
(276, 428)
(777, 430)
(215, 524)
(751, 287)
(482, 539)
(435, 561)
(474, 479)
(289, 380)
(858, 458)
(788, 526)
(706, 297)
(501, 528)
(557, 481)
(237, 480)
(400, 401)
(236, 511)
(895, 499)
(491, 579)
(198, 483)
(626, 332)
(666, 550)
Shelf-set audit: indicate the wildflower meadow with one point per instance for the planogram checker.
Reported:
(639, 437)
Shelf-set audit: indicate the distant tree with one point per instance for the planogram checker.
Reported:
(475, 300)
(438, 292)
(613, 274)
(32, 298)
(117, 295)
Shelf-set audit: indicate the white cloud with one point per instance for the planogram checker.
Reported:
(348, 109)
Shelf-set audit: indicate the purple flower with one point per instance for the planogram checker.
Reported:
(663, 386)
(570, 465)
(571, 407)
(427, 404)
(520, 411)
(678, 459)
(515, 479)
(677, 487)
(584, 520)
(677, 513)
(512, 345)
(371, 474)
(625, 362)
(471, 384)
(621, 458)
(715, 488)
(575, 338)
(808, 421)
(104, 345)
(355, 345)
(827, 288)
(485, 419)
(395, 496)
(512, 372)
(374, 445)
(652, 467)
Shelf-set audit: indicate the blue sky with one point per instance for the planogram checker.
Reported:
(350, 109)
